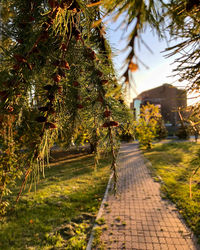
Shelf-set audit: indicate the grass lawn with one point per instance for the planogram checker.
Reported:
(60, 214)
(172, 162)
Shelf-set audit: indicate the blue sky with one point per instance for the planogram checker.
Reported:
(159, 68)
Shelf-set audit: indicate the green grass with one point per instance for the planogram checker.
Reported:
(61, 213)
(171, 162)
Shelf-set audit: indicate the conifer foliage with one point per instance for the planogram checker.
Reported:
(56, 80)
(179, 18)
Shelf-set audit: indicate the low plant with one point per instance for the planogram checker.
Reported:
(101, 221)
(97, 238)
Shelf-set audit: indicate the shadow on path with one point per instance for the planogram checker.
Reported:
(138, 218)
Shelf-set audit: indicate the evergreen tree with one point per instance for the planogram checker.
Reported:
(57, 80)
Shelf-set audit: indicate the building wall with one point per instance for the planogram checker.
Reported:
(169, 97)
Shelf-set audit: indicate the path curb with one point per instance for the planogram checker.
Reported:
(89, 245)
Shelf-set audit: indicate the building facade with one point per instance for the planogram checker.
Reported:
(167, 97)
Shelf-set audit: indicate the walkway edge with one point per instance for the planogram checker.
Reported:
(89, 245)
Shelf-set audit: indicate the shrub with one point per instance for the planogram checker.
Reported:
(182, 133)
(146, 128)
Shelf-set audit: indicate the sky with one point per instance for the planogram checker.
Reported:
(160, 69)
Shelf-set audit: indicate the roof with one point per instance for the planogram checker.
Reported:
(166, 85)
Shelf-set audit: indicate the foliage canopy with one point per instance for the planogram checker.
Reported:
(57, 83)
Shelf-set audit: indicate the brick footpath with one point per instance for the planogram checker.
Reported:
(138, 218)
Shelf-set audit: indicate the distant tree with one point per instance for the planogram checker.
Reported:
(146, 127)
(183, 129)
(190, 124)
(127, 128)
(194, 121)
(161, 131)
(183, 132)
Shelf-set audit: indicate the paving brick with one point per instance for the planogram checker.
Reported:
(146, 221)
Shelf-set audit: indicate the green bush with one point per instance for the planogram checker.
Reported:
(147, 126)
(161, 131)
(183, 133)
